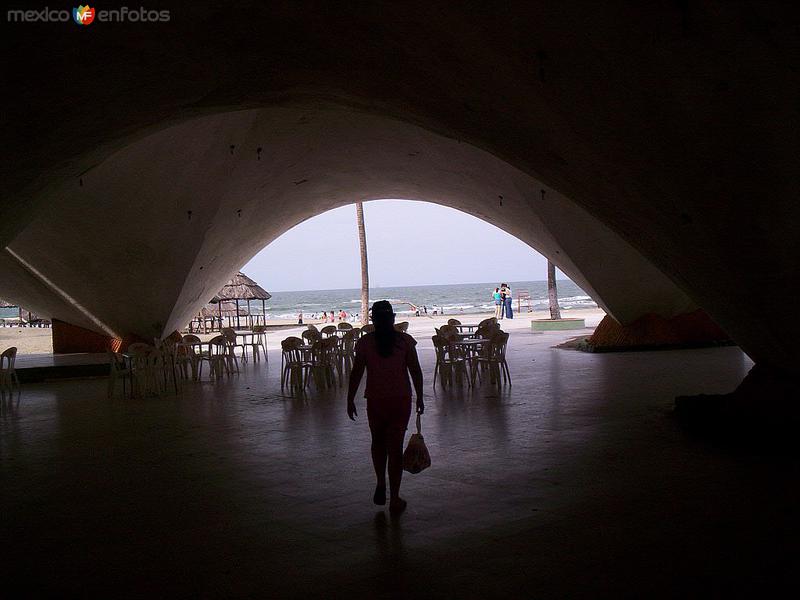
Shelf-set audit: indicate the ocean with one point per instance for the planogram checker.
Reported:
(455, 299)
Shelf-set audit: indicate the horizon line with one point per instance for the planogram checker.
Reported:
(341, 289)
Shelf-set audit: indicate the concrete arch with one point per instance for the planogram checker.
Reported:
(671, 124)
(147, 236)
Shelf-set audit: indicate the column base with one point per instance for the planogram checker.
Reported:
(652, 332)
(71, 339)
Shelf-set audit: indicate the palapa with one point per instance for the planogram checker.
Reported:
(239, 287)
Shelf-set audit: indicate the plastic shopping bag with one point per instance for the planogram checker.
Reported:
(416, 456)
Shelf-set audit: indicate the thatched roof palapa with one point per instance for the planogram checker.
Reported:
(225, 304)
(241, 287)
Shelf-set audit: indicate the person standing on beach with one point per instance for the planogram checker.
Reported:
(324, 317)
(300, 319)
(388, 356)
(508, 303)
(498, 303)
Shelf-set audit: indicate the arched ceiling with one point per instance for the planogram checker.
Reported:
(143, 239)
(673, 124)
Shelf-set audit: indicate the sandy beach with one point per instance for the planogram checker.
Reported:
(424, 325)
(35, 340)
(28, 340)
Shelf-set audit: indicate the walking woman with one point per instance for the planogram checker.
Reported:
(389, 357)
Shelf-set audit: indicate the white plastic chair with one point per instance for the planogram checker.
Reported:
(217, 356)
(493, 359)
(259, 343)
(143, 380)
(230, 336)
(8, 373)
(118, 368)
(451, 364)
(292, 364)
(190, 354)
(310, 336)
(322, 363)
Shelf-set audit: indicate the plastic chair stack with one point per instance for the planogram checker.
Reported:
(292, 366)
(493, 360)
(451, 363)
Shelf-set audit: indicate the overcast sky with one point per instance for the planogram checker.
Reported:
(408, 243)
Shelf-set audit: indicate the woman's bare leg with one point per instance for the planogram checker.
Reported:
(394, 447)
(379, 459)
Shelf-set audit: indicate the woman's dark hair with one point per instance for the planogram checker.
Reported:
(385, 334)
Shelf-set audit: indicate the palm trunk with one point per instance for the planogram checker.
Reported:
(552, 292)
(362, 246)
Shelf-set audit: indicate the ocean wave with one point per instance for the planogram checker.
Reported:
(456, 299)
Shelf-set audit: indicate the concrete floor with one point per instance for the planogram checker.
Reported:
(576, 481)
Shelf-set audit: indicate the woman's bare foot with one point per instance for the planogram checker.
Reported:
(397, 505)
(380, 495)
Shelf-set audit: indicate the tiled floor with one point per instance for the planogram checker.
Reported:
(33, 361)
(575, 481)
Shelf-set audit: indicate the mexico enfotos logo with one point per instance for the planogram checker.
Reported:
(86, 15)
(83, 15)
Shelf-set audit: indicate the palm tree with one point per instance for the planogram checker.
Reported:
(362, 246)
(552, 292)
